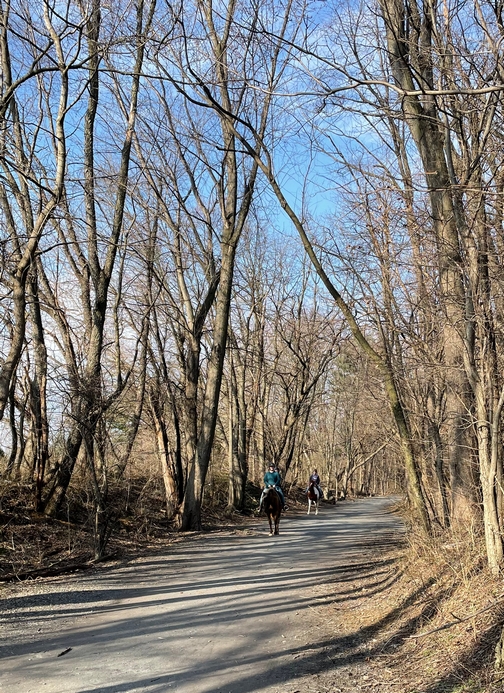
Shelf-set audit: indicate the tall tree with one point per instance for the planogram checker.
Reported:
(30, 192)
(94, 269)
(425, 60)
(211, 55)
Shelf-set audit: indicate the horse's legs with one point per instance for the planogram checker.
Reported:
(309, 506)
(316, 507)
(277, 521)
(270, 524)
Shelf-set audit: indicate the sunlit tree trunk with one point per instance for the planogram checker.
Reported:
(409, 54)
(197, 473)
(164, 453)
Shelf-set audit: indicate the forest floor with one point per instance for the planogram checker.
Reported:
(432, 626)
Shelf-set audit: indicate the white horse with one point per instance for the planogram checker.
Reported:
(313, 497)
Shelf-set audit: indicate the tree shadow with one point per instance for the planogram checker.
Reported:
(148, 610)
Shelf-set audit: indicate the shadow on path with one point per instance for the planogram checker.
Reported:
(230, 614)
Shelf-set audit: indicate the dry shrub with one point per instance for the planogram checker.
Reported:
(32, 544)
(450, 614)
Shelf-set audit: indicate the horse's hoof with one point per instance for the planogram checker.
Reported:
(271, 534)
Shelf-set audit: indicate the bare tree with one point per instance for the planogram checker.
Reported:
(419, 58)
(209, 57)
(94, 269)
(28, 197)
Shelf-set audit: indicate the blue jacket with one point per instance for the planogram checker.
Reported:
(272, 479)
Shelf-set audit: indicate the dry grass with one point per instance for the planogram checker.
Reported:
(434, 625)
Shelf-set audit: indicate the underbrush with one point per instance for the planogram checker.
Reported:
(32, 544)
(440, 618)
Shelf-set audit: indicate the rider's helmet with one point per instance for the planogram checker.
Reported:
(271, 465)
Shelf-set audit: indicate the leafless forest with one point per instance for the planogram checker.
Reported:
(250, 230)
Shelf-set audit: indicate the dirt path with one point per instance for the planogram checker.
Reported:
(231, 612)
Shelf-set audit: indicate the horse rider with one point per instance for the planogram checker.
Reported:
(272, 478)
(316, 480)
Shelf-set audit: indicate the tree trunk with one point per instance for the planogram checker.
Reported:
(163, 453)
(38, 395)
(499, 652)
(55, 495)
(89, 405)
(191, 518)
(237, 443)
(425, 126)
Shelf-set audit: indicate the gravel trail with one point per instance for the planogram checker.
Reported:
(227, 612)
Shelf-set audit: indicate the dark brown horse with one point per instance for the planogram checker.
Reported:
(313, 497)
(273, 507)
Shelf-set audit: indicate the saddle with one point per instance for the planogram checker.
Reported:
(313, 486)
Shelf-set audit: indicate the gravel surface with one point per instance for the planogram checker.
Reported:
(227, 612)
